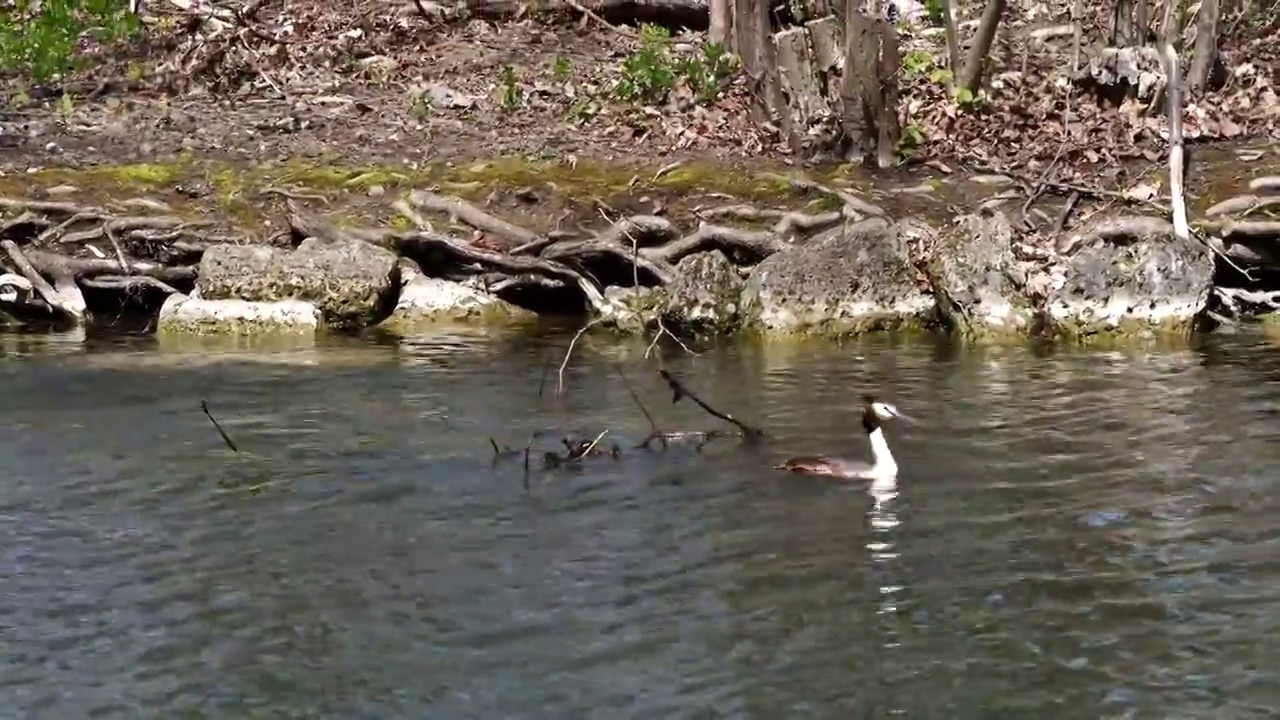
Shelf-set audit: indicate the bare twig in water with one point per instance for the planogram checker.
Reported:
(655, 432)
(225, 438)
(564, 363)
(528, 446)
(653, 344)
(678, 391)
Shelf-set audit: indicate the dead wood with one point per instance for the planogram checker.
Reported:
(426, 248)
(680, 391)
(787, 222)
(1229, 229)
(65, 299)
(303, 225)
(852, 203)
(1242, 205)
(133, 283)
(745, 247)
(584, 252)
(464, 211)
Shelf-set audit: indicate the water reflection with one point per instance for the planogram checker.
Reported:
(1072, 534)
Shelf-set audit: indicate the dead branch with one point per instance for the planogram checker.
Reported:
(422, 246)
(1229, 229)
(655, 433)
(1271, 182)
(641, 230)
(303, 225)
(458, 209)
(678, 391)
(585, 251)
(66, 299)
(569, 352)
(852, 203)
(788, 222)
(748, 247)
(225, 438)
(130, 283)
(1243, 205)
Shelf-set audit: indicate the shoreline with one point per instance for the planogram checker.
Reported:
(517, 235)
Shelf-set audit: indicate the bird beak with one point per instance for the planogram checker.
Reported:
(907, 418)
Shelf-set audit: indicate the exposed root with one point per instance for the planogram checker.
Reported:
(464, 211)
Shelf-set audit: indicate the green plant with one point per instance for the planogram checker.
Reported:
(707, 74)
(916, 63)
(648, 75)
(935, 12)
(912, 138)
(42, 42)
(511, 97)
(66, 108)
(561, 69)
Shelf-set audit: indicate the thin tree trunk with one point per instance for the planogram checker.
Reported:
(1206, 49)
(1140, 20)
(971, 77)
(721, 23)
(953, 41)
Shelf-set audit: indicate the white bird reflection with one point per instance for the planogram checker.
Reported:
(883, 522)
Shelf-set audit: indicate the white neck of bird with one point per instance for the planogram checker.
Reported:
(881, 458)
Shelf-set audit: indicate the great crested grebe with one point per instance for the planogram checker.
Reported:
(882, 465)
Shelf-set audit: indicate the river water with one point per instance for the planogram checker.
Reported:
(1076, 534)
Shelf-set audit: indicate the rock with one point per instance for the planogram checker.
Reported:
(1137, 70)
(183, 314)
(633, 310)
(976, 280)
(848, 280)
(1146, 284)
(425, 301)
(704, 298)
(354, 284)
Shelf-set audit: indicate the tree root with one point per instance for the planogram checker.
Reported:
(458, 209)
(55, 246)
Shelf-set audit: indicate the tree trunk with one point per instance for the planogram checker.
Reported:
(953, 40)
(1142, 23)
(721, 23)
(1206, 48)
(971, 77)
(1121, 24)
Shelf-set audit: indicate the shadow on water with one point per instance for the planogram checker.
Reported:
(1074, 534)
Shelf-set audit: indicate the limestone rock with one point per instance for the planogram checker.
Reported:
(354, 284)
(704, 298)
(183, 314)
(848, 280)
(976, 280)
(1142, 285)
(426, 300)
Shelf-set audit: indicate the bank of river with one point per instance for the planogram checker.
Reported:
(1077, 534)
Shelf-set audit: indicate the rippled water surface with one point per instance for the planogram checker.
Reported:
(1076, 535)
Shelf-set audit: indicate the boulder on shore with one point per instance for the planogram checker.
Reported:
(849, 280)
(353, 283)
(1140, 285)
(976, 280)
(704, 298)
(426, 301)
(183, 314)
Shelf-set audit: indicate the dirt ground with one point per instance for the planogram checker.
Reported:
(414, 90)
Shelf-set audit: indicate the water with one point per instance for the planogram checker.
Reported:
(1076, 535)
